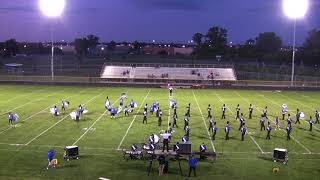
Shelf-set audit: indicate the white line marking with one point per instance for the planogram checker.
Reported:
(103, 114)
(204, 122)
(3, 131)
(30, 102)
(133, 120)
(254, 141)
(58, 122)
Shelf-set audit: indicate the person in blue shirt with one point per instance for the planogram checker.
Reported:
(126, 111)
(50, 155)
(241, 122)
(277, 123)
(81, 109)
(289, 129)
(243, 131)
(55, 109)
(10, 118)
(193, 162)
(262, 126)
(214, 131)
(121, 102)
(269, 129)
(132, 105)
(113, 112)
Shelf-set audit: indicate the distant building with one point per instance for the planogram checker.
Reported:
(170, 51)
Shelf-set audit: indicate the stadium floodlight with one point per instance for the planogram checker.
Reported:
(52, 9)
(295, 9)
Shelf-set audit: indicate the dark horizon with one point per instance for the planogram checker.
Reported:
(147, 20)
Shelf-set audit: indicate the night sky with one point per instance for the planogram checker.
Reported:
(145, 20)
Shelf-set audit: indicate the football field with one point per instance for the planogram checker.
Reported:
(24, 146)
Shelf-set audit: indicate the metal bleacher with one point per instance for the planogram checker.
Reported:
(172, 73)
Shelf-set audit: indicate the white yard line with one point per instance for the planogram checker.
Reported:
(204, 122)
(254, 141)
(30, 102)
(169, 109)
(3, 131)
(304, 147)
(134, 118)
(88, 129)
(58, 122)
(24, 95)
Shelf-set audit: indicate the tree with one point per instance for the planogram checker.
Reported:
(11, 47)
(268, 42)
(311, 47)
(217, 38)
(197, 38)
(137, 47)
(112, 46)
(81, 46)
(93, 41)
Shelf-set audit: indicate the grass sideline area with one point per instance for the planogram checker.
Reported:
(23, 148)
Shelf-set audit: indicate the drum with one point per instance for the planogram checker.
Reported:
(156, 139)
(302, 115)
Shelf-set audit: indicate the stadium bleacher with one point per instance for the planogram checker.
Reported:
(224, 74)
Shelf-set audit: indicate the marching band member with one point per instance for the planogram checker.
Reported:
(227, 130)
(78, 114)
(265, 112)
(317, 118)
(64, 105)
(144, 117)
(126, 111)
(107, 103)
(159, 117)
(188, 110)
(152, 109)
(187, 131)
(50, 155)
(113, 112)
(310, 123)
(132, 105)
(170, 91)
(224, 108)
(121, 101)
(186, 121)
(146, 108)
(283, 111)
(289, 120)
(151, 139)
(185, 139)
(289, 129)
(243, 131)
(209, 110)
(250, 111)
(134, 148)
(241, 121)
(262, 126)
(55, 110)
(214, 131)
(166, 137)
(269, 129)
(298, 116)
(176, 147)
(175, 117)
(202, 149)
(238, 111)
(11, 118)
(81, 109)
(175, 111)
(277, 123)
(210, 123)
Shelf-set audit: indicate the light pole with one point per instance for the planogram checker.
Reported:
(295, 9)
(52, 9)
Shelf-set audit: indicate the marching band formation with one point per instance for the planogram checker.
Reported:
(264, 122)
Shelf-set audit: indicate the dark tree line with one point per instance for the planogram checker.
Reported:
(266, 47)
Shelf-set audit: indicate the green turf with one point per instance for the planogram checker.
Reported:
(99, 156)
